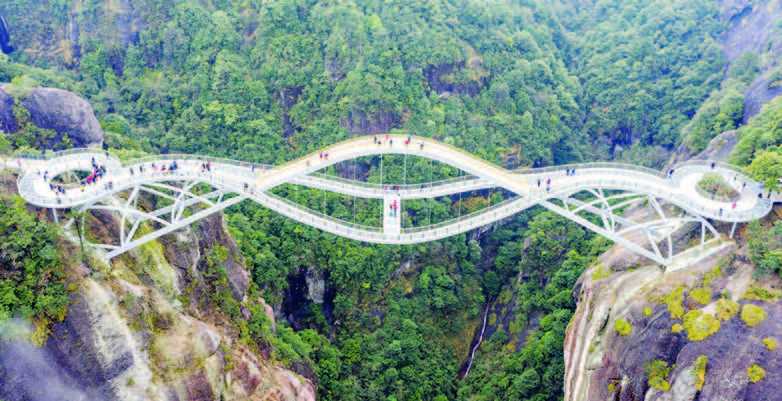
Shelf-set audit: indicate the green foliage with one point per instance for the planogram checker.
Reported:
(647, 311)
(757, 293)
(715, 186)
(269, 81)
(20, 86)
(657, 372)
(770, 343)
(677, 328)
(700, 325)
(755, 373)
(699, 370)
(762, 133)
(766, 168)
(721, 112)
(623, 327)
(765, 249)
(496, 371)
(711, 275)
(752, 315)
(634, 92)
(32, 280)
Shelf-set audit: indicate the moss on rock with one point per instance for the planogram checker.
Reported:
(756, 373)
(657, 372)
(623, 327)
(700, 371)
(752, 315)
(674, 301)
(727, 308)
(701, 295)
(700, 325)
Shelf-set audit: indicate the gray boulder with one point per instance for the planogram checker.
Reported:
(65, 113)
(7, 120)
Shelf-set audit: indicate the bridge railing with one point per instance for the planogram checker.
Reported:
(169, 157)
(484, 211)
(302, 210)
(47, 155)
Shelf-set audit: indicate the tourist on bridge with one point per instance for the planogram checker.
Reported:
(713, 164)
(538, 182)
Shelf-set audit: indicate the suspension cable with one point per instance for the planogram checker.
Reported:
(460, 196)
(428, 201)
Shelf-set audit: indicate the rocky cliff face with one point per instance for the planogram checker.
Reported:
(644, 334)
(752, 29)
(64, 112)
(142, 328)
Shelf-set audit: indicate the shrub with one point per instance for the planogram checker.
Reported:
(700, 371)
(701, 295)
(713, 185)
(752, 315)
(700, 325)
(623, 327)
(727, 308)
(712, 275)
(657, 372)
(755, 373)
(32, 273)
(677, 328)
(755, 293)
(770, 343)
(647, 311)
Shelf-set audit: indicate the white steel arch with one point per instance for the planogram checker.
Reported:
(673, 198)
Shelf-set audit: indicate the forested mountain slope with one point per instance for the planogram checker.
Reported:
(519, 83)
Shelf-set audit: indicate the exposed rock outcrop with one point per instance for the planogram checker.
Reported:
(440, 79)
(59, 110)
(718, 149)
(212, 232)
(602, 364)
(751, 29)
(130, 335)
(359, 122)
(7, 119)
(316, 285)
(66, 113)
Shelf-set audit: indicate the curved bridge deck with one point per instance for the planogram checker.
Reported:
(612, 185)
